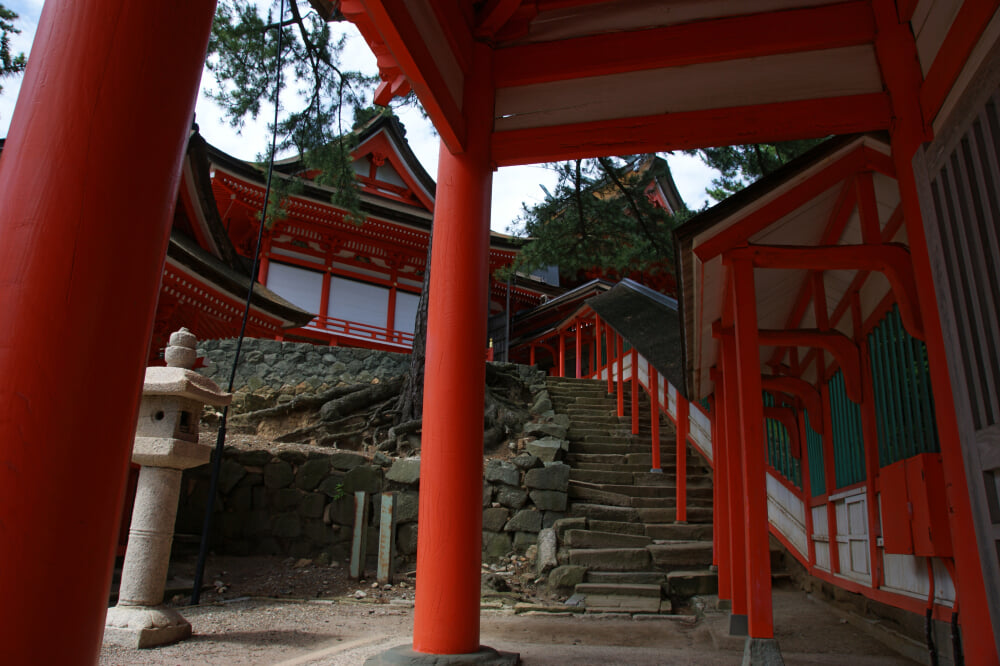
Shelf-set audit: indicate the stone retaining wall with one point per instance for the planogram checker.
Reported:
(271, 372)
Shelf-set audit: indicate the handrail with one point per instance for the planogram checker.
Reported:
(360, 331)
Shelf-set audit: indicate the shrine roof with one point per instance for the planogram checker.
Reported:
(649, 321)
(581, 78)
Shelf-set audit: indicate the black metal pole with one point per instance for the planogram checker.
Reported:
(220, 441)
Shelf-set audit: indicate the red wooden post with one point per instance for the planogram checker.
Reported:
(635, 392)
(562, 354)
(76, 266)
(265, 260)
(579, 351)
(758, 552)
(654, 416)
(531, 354)
(721, 486)
(869, 433)
(619, 390)
(597, 347)
(449, 551)
(734, 459)
(806, 488)
(830, 477)
(610, 350)
(683, 425)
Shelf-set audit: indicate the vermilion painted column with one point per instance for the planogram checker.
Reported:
(758, 553)
(597, 347)
(654, 417)
(620, 389)
(531, 352)
(721, 486)
(82, 246)
(734, 458)
(869, 434)
(683, 425)
(449, 551)
(806, 488)
(635, 392)
(562, 354)
(579, 351)
(609, 344)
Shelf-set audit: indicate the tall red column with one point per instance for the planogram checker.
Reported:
(562, 354)
(609, 345)
(720, 516)
(579, 351)
(88, 180)
(734, 465)
(749, 391)
(654, 417)
(620, 372)
(682, 434)
(635, 392)
(449, 551)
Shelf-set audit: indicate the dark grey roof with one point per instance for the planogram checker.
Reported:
(648, 320)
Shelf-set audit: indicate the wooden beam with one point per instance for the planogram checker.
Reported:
(802, 390)
(786, 416)
(783, 204)
(781, 121)
(962, 36)
(395, 29)
(891, 259)
(493, 15)
(842, 347)
(730, 38)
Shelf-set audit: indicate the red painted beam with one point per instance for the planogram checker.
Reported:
(838, 344)
(784, 204)
(388, 24)
(730, 38)
(891, 259)
(802, 390)
(781, 121)
(962, 36)
(493, 15)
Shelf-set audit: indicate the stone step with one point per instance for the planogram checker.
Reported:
(596, 447)
(621, 603)
(696, 478)
(681, 554)
(633, 490)
(654, 516)
(689, 583)
(611, 559)
(609, 512)
(595, 495)
(618, 527)
(623, 589)
(600, 476)
(626, 577)
(679, 532)
(654, 502)
(593, 539)
(572, 381)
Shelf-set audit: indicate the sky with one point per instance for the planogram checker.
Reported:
(512, 186)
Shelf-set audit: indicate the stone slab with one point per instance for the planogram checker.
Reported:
(762, 652)
(405, 655)
(141, 627)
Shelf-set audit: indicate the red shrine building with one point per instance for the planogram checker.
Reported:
(839, 320)
(323, 277)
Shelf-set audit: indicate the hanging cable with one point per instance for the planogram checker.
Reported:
(220, 441)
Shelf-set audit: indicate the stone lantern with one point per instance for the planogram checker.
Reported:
(166, 442)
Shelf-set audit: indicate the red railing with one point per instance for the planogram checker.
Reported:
(359, 331)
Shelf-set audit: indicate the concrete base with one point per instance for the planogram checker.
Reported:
(405, 655)
(762, 652)
(144, 626)
(738, 625)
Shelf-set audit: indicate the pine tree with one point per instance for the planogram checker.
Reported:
(739, 166)
(10, 64)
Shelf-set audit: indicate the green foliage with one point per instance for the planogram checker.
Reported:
(600, 217)
(739, 166)
(244, 60)
(10, 64)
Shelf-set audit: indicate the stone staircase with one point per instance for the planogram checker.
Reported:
(620, 523)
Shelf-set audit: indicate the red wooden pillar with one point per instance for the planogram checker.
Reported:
(579, 351)
(869, 432)
(620, 390)
(449, 551)
(758, 553)
(734, 460)
(609, 344)
(597, 347)
(76, 268)
(830, 476)
(265, 259)
(531, 354)
(721, 488)
(806, 487)
(635, 392)
(562, 354)
(654, 416)
(683, 424)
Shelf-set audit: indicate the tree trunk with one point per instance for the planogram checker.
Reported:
(410, 406)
